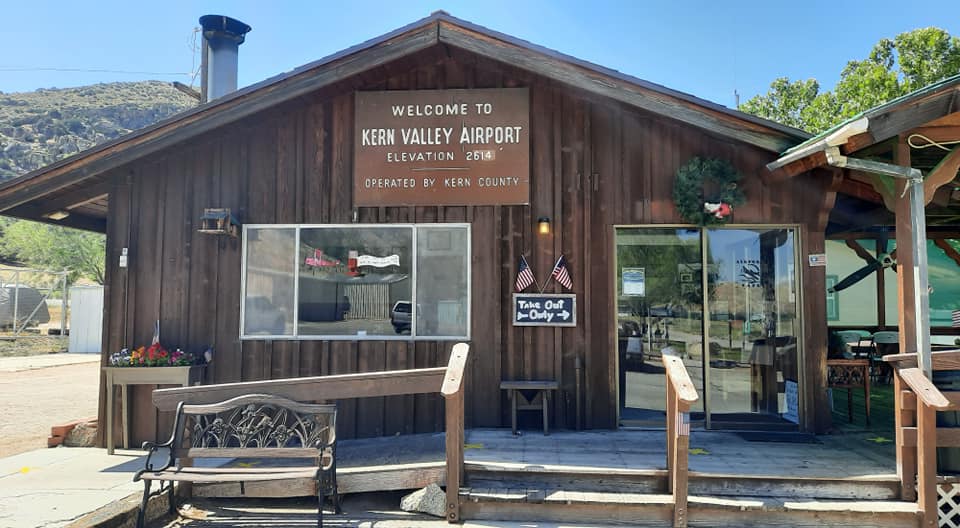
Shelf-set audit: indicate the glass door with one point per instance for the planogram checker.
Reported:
(753, 375)
(749, 317)
(659, 311)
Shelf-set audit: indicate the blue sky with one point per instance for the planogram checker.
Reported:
(706, 48)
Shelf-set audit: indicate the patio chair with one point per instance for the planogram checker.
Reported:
(852, 339)
(884, 343)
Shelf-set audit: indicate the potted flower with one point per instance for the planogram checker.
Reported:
(157, 356)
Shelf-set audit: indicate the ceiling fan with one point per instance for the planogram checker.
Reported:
(882, 261)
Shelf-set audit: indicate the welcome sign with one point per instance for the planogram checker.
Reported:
(442, 147)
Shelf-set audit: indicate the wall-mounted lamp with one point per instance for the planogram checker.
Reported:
(57, 215)
(543, 225)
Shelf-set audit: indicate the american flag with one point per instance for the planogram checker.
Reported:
(524, 275)
(561, 274)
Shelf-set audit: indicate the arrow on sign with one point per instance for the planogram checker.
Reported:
(564, 314)
(521, 315)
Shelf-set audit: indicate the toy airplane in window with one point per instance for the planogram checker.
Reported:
(882, 261)
(219, 222)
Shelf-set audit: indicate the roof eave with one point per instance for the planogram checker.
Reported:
(437, 28)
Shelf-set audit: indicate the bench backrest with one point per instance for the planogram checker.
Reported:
(256, 426)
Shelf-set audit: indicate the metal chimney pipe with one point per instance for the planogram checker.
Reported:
(222, 36)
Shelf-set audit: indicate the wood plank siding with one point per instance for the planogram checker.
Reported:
(595, 163)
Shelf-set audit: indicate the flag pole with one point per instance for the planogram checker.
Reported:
(552, 270)
(532, 274)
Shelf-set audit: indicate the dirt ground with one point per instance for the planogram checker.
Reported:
(34, 400)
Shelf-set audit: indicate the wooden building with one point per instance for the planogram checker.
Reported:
(598, 156)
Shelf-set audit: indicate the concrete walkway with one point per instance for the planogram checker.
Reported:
(82, 487)
(21, 363)
(53, 487)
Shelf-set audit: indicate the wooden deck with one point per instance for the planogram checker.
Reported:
(615, 476)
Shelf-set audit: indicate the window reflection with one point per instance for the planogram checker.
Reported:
(351, 278)
(268, 301)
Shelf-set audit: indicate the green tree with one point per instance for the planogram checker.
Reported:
(894, 67)
(54, 248)
(786, 102)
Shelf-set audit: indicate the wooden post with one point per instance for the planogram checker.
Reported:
(671, 425)
(927, 463)
(906, 318)
(906, 456)
(452, 391)
(915, 303)
(680, 469)
(680, 394)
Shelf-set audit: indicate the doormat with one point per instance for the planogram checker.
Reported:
(788, 438)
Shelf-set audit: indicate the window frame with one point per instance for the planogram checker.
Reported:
(414, 271)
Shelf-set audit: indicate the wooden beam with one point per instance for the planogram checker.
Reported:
(942, 360)
(913, 114)
(859, 250)
(948, 250)
(943, 174)
(906, 309)
(940, 134)
(860, 190)
(927, 394)
(858, 142)
(813, 161)
(453, 380)
(74, 221)
(946, 437)
(677, 374)
(594, 81)
(315, 388)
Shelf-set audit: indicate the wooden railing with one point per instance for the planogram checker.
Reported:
(917, 402)
(447, 381)
(680, 395)
(452, 391)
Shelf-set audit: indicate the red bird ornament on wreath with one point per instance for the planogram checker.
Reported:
(719, 210)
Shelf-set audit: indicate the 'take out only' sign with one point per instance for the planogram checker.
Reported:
(544, 309)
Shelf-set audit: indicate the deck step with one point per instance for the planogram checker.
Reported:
(639, 509)
(654, 481)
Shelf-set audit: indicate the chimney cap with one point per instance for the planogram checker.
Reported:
(227, 26)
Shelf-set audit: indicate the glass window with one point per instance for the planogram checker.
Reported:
(442, 300)
(269, 279)
(358, 281)
(351, 278)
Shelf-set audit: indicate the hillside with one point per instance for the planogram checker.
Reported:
(40, 127)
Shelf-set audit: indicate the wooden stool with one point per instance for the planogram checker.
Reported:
(529, 391)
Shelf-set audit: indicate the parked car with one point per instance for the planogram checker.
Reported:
(400, 316)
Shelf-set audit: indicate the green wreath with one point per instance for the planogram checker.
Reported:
(722, 192)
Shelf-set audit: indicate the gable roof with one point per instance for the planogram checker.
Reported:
(875, 125)
(438, 29)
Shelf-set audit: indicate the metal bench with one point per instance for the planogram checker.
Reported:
(298, 438)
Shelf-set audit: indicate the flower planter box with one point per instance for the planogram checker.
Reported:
(123, 376)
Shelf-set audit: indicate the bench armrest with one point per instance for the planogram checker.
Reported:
(154, 448)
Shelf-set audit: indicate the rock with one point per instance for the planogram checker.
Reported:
(83, 435)
(430, 500)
